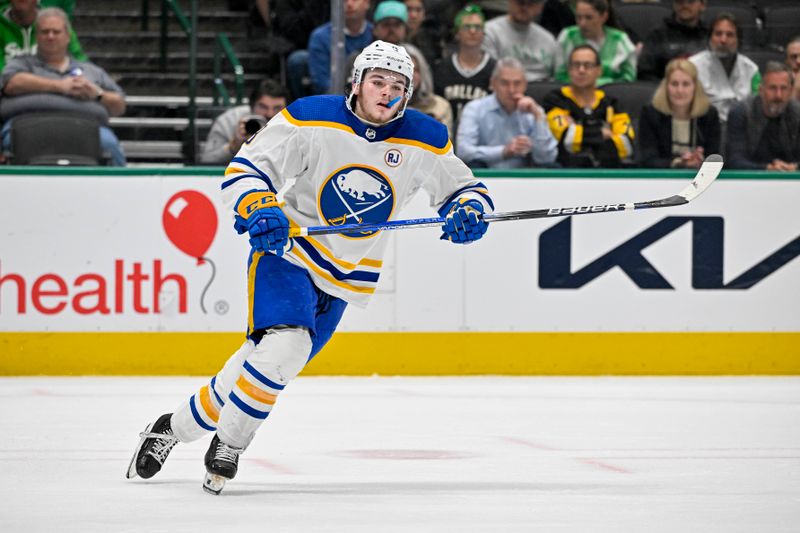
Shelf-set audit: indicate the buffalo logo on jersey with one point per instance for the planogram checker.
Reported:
(354, 195)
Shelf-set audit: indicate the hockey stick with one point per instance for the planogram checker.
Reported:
(708, 172)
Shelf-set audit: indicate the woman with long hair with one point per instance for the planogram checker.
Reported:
(680, 127)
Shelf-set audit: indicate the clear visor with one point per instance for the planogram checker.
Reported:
(380, 79)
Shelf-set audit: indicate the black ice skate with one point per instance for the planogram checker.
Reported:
(154, 446)
(222, 462)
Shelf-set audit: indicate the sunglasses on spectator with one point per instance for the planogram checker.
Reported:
(472, 27)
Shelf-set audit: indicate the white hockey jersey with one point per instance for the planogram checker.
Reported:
(347, 172)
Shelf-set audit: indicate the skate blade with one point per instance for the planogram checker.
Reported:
(213, 484)
(131, 473)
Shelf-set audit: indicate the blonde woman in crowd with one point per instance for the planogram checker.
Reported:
(681, 126)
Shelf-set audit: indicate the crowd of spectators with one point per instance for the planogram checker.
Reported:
(475, 65)
(459, 47)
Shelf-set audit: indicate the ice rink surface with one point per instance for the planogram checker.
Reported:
(491, 454)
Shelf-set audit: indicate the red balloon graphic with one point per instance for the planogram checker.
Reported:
(190, 221)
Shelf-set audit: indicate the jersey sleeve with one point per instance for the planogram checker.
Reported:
(266, 160)
(451, 179)
(622, 133)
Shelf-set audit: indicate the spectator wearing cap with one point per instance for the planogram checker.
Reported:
(517, 35)
(466, 74)
(390, 24)
(317, 61)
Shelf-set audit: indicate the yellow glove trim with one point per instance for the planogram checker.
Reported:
(255, 200)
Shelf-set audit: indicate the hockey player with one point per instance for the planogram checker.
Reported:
(355, 159)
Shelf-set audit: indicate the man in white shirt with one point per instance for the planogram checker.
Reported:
(726, 75)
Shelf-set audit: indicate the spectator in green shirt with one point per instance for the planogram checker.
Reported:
(17, 32)
(594, 27)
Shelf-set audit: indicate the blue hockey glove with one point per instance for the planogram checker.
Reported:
(464, 221)
(258, 213)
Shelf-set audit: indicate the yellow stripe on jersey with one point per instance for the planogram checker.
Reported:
(208, 406)
(297, 252)
(577, 138)
(420, 144)
(343, 127)
(251, 289)
(254, 392)
(344, 264)
(234, 170)
(320, 123)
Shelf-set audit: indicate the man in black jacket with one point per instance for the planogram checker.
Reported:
(681, 36)
(764, 130)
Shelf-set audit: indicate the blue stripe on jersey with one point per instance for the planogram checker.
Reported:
(213, 383)
(231, 181)
(262, 378)
(255, 413)
(468, 188)
(197, 417)
(259, 173)
(315, 256)
(417, 126)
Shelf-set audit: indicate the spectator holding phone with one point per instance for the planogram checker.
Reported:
(232, 127)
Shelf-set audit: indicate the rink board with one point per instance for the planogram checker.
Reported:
(99, 275)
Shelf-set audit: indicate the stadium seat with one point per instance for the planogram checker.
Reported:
(762, 55)
(633, 96)
(745, 16)
(539, 89)
(781, 24)
(55, 139)
(640, 19)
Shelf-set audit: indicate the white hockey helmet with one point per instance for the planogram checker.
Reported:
(387, 56)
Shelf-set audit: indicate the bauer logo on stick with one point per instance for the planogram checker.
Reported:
(356, 194)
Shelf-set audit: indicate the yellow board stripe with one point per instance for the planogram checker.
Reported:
(205, 401)
(414, 354)
(254, 392)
